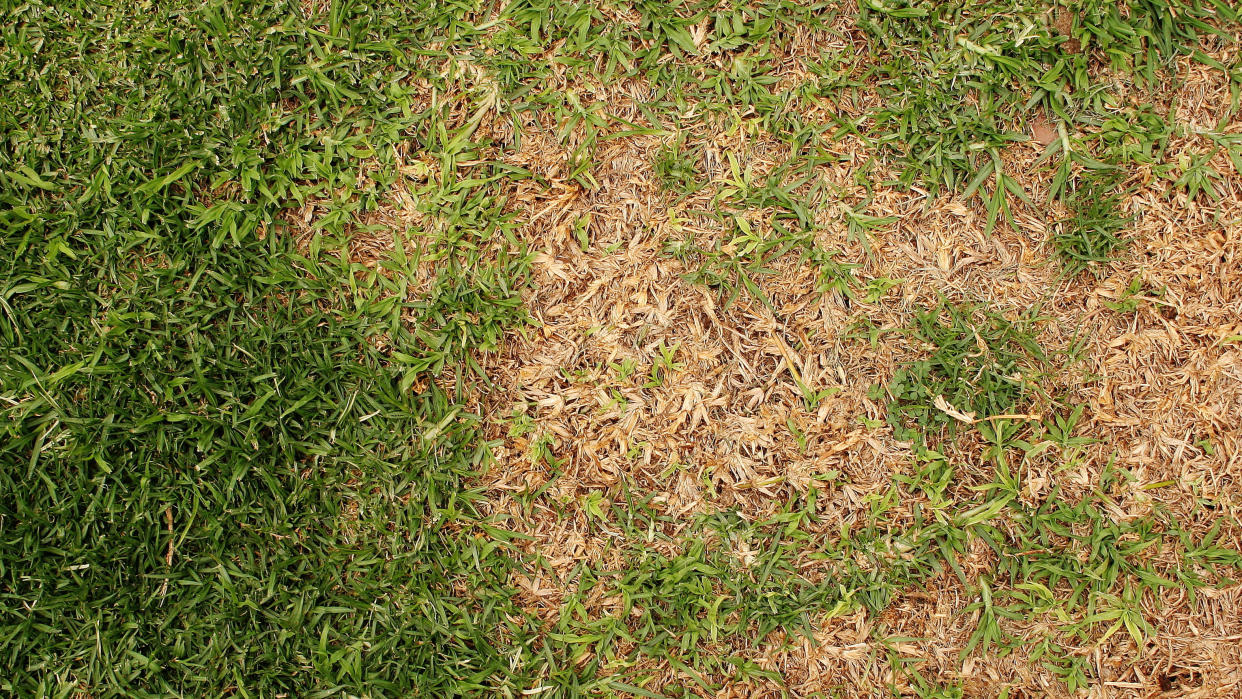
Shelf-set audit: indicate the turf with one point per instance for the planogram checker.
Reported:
(224, 467)
(269, 272)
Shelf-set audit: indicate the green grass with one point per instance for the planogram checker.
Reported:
(962, 81)
(980, 362)
(224, 467)
(1093, 232)
(677, 168)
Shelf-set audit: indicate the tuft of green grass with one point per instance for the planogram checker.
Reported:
(730, 581)
(677, 168)
(980, 362)
(1092, 233)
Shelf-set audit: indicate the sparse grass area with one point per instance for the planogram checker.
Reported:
(618, 349)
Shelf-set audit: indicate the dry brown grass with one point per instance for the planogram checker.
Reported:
(1159, 383)
(1166, 381)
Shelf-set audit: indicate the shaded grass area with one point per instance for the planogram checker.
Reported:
(224, 468)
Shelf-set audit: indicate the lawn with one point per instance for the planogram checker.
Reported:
(621, 349)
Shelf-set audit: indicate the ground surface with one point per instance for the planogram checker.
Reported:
(622, 349)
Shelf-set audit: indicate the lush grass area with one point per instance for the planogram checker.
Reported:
(236, 460)
(224, 467)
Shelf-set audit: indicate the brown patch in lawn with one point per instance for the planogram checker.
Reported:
(634, 379)
(726, 427)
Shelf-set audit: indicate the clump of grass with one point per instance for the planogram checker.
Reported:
(949, 83)
(980, 363)
(678, 168)
(732, 580)
(1093, 231)
(1141, 37)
